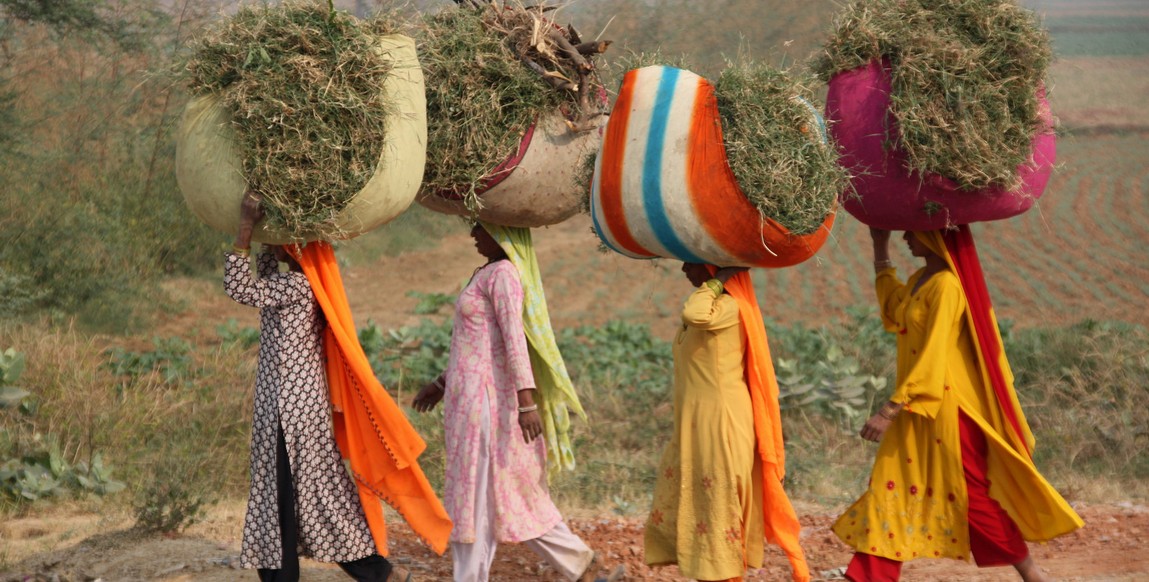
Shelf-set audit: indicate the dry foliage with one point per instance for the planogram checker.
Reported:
(491, 71)
(964, 77)
(776, 145)
(304, 84)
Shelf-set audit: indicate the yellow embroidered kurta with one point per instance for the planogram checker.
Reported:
(916, 502)
(707, 510)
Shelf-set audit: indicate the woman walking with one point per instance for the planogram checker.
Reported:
(719, 493)
(954, 472)
(504, 387)
(302, 501)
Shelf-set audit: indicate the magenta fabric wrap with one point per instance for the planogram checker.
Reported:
(890, 196)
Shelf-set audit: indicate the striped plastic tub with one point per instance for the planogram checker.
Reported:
(663, 188)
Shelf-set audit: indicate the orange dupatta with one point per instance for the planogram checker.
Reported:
(782, 527)
(370, 428)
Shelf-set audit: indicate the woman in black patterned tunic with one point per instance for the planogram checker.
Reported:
(302, 502)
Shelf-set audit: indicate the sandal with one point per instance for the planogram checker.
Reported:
(400, 575)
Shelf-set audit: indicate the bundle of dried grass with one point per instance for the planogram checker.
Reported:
(304, 84)
(964, 75)
(776, 146)
(491, 70)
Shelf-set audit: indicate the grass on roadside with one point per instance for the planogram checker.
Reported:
(1083, 389)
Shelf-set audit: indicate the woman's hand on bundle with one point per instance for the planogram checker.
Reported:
(250, 212)
(881, 240)
(429, 395)
(251, 209)
(879, 236)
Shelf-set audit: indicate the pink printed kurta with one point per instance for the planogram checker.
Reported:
(489, 364)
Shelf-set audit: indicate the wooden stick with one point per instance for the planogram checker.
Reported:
(594, 47)
(558, 82)
(571, 52)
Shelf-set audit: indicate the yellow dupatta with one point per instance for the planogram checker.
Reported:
(556, 393)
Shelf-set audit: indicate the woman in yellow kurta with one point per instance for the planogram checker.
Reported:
(718, 496)
(954, 472)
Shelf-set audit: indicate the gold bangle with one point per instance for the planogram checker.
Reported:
(895, 408)
(716, 285)
(241, 251)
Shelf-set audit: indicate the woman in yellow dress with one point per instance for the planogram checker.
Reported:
(719, 494)
(954, 472)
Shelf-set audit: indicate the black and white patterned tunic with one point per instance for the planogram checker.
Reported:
(291, 392)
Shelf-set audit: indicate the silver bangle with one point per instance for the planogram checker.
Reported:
(881, 265)
(530, 408)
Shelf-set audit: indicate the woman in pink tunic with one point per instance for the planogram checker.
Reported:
(496, 482)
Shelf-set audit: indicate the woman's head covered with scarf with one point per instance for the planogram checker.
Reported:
(556, 393)
(956, 246)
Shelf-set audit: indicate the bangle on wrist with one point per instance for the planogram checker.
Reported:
(889, 410)
(883, 264)
(241, 251)
(716, 285)
(530, 408)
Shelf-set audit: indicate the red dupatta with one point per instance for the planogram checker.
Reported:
(957, 247)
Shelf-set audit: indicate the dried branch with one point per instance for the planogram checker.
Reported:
(594, 47)
(572, 53)
(555, 80)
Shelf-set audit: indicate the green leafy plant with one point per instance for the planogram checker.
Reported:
(171, 358)
(617, 353)
(430, 303)
(11, 366)
(832, 386)
(233, 334)
(44, 473)
(410, 355)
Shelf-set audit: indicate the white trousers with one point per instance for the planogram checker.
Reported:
(560, 547)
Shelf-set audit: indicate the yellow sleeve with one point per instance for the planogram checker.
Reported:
(890, 291)
(924, 384)
(708, 309)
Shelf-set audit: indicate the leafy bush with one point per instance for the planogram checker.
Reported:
(11, 366)
(17, 294)
(839, 371)
(172, 500)
(232, 334)
(620, 354)
(45, 473)
(430, 303)
(171, 359)
(409, 356)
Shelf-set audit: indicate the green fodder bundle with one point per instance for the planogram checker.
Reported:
(491, 71)
(964, 76)
(774, 145)
(304, 84)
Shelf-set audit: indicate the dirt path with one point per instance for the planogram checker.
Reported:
(72, 547)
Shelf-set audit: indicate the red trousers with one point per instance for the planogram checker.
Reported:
(994, 538)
